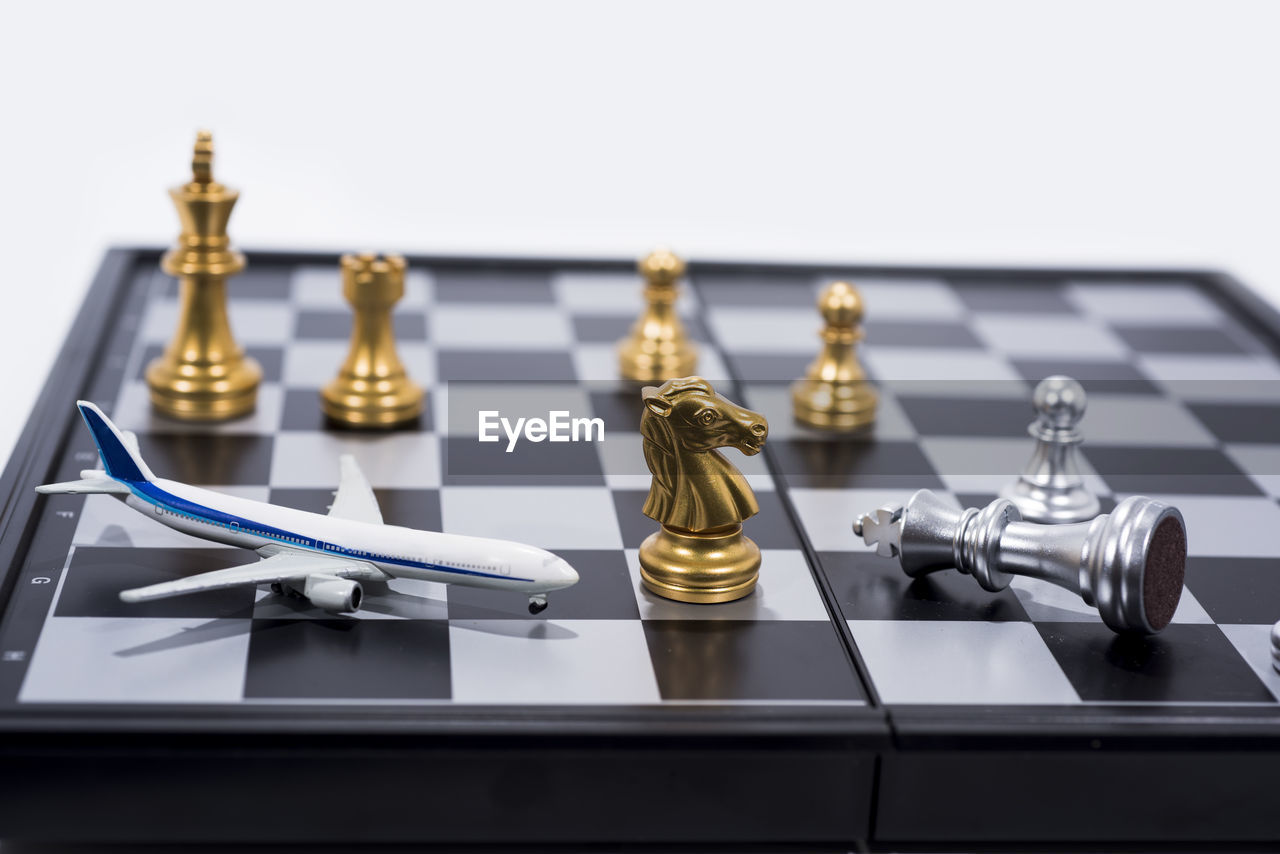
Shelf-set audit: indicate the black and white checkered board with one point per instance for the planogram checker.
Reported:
(1183, 406)
(497, 338)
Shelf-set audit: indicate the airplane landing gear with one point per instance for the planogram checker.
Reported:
(537, 604)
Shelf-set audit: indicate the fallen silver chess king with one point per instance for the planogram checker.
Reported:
(1128, 563)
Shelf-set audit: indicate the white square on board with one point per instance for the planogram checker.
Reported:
(530, 662)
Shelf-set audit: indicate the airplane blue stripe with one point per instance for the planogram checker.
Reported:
(152, 494)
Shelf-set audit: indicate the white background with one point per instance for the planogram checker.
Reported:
(1127, 133)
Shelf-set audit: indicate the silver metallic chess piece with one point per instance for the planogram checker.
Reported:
(1129, 563)
(1275, 646)
(1050, 488)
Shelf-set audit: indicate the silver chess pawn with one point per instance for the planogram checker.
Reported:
(1129, 563)
(1050, 488)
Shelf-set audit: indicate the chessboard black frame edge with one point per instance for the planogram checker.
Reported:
(883, 763)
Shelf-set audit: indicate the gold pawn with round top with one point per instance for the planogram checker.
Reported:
(834, 393)
(372, 388)
(658, 348)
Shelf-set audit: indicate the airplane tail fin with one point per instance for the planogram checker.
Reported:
(118, 449)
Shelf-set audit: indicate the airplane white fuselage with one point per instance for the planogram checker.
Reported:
(399, 552)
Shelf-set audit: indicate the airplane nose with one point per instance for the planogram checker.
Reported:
(557, 572)
(567, 573)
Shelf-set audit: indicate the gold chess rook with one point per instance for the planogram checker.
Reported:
(203, 374)
(834, 393)
(372, 388)
(699, 554)
(658, 348)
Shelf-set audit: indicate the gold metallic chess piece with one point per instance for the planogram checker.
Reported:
(372, 388)
(699, 554)
(657, 348)
(203, 374)
(834, 393)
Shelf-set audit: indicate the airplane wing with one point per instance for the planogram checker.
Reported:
(354, 499)
(284, 566)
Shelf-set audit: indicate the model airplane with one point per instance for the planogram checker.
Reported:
(321, 558)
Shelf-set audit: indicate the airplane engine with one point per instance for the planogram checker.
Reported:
(334, 594)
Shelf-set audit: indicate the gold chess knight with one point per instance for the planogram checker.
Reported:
(372, 388)
(203, 374)
(699, 554)
(657, 348)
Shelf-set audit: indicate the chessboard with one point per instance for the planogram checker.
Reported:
(840, 704)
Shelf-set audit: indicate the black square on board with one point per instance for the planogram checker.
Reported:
(319, 325)
(467, 462)
(851, 463)
(780, 368)
(1240, 422)
(604, 592)
(1013, 295)
(750, 660)
(499, 366)
(628, 504)
(498, 286)
(1191, 471)
(1244, 590)
(1096, 377)
(869, 587)
(1178, 339)
(97, 575)
(771, 528)
(964, 416)
(349, 659)
(619, 408)
(261, 282)
(891, 333)
(754, 289)
(218, 459)
(1185, 663)
(600, 329)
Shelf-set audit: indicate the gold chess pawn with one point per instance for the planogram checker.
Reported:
(372, 388)
(658, 348)
(203, 374)
(834, 393)
(699, 497)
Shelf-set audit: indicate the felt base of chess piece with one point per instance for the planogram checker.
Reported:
(703, 567)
